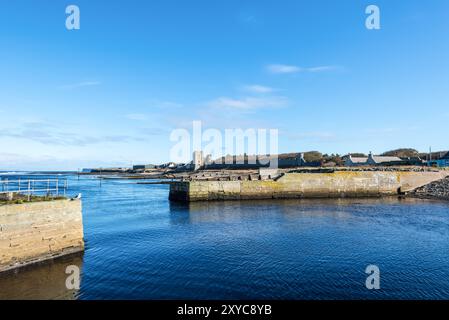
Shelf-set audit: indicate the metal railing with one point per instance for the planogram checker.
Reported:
(34, 187)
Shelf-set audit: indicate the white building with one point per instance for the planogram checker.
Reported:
(381, 160)
(371, 160)
(351, 161)
(198, 160)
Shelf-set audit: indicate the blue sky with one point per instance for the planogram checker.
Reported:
(111, 93)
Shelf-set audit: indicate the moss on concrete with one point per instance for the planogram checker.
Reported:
(19, 199)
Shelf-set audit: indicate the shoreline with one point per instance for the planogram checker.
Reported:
(305, 185)
(438, 190)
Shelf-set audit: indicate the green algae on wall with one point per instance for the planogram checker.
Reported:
(338, 184)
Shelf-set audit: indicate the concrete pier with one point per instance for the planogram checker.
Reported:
(37, 231)
(339, 184)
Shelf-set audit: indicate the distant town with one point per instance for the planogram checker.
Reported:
(311, 159)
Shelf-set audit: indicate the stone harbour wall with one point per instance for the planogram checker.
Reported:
(306, 185)
(36, 231)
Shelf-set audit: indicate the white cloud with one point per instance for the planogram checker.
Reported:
(285, 69)
(51, 134)
(258, 89)
(390, 130)
(248, 103)
(81, 85)
(136, 116)
(322, 68)
(381, 130)
(164, 104)
(248, 18)
(27, 162)
(314, 136)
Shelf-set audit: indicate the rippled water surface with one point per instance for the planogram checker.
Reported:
(141, 246)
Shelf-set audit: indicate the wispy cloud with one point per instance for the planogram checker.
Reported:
(50, 134)
(313, 135)
(137, 116)
(149, 131)
(323, 68)
(25, 161)
(248, 18)
(159, 104)
(382, 130)
(255, 88)
(390, 130)
(248, 103)
(81, 85)
(289, 69)
(283, 68)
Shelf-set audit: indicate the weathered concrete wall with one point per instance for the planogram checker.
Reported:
(38, 231)
(306, 185)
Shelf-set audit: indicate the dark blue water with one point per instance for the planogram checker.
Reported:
(141, 246)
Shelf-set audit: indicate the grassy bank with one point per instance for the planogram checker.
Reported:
(19, 199)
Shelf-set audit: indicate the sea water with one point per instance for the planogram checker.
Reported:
(141, 246)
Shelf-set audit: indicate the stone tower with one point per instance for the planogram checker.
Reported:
(198, 160)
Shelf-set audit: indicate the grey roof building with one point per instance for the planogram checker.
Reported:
(351, 161)
(380, 160)
(371, 160)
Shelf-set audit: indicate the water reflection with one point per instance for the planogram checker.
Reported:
(222, 211)
(42, 281)
(141, 246)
